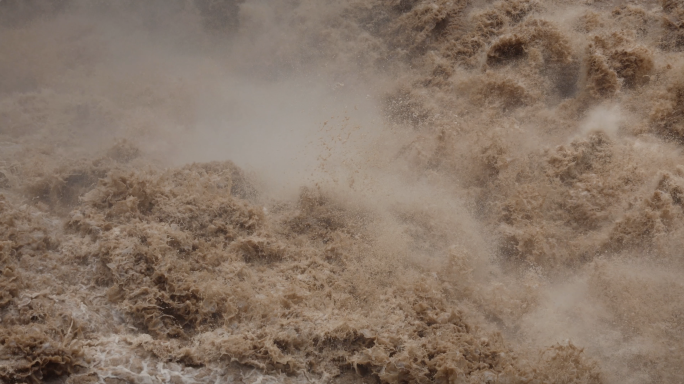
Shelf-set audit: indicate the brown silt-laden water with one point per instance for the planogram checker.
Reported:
(376, 191)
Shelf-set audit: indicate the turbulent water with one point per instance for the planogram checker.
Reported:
(357, 191)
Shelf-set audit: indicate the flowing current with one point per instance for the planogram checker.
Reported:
(356, 191)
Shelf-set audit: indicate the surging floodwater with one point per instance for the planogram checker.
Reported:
(374, 191)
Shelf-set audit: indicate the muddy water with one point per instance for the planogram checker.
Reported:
(346, 192)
